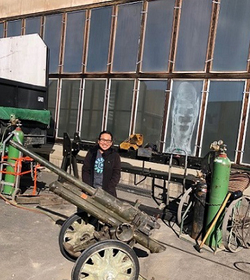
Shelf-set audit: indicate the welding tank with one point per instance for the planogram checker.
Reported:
(13, 155)
(217, 192)
(199, 209)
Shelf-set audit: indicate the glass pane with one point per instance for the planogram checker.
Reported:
(158, 35)
(126, 47)
(150, 110)
(99, 39)
(193, 35)
(232, 37)
(14, 28)
(1, 30)
(184, 115)
(52, 93)
(246, 148)
(92, 114)
(223, 115)
(68, 107)
(120, 106)
(74, 42)
(52, 38)
(33, 25)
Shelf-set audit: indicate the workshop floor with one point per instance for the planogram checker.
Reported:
(29, 245)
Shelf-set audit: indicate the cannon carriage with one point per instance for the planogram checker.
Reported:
(100, 236)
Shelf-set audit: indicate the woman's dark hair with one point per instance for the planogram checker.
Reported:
(105, 132)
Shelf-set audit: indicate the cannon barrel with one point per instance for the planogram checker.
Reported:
(94, 201)
(125, 210)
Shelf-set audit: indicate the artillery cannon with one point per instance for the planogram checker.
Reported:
(99, 237)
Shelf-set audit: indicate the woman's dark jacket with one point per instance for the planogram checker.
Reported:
(111, 170)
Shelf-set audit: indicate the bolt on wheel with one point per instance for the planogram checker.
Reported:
(107, 260)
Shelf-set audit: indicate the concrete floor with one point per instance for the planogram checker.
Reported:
(29, 246)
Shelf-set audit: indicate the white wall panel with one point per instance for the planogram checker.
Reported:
(24, 59)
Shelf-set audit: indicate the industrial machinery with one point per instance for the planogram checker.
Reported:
(23, 87)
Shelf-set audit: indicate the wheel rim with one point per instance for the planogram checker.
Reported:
(107, 260)
(108, 264)
(76, 231)
(236, 224)
(246, 224)
(76, 234)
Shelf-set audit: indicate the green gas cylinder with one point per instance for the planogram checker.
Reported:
(13, 154)
(217, 192)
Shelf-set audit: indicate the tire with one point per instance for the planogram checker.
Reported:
(236, 225)
(70, 232)
(108, 259)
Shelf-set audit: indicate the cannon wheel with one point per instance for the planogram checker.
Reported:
(73, 230)
(108, 259)
(185, 209)
(236, 225)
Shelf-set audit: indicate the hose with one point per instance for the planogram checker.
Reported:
(14, 203)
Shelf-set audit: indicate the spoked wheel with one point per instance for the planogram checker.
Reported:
(76, 234)
(236, 225)
(107, 260)
(185, 210)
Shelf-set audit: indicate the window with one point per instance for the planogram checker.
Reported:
(1, 30)
(111, 63)
(52, 38)
(14, 28)
(193, 35)
(33, 25)
(99, 36)
(223, 115)
(246, 148)
(52, 94)
(74, 42)
(183, 116)
(69, 104)
(126, 46)
(150, 110)
(120, 106)
(92, 109)
(232, 37)
(158, 35)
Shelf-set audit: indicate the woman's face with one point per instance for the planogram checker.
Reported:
(105, 141)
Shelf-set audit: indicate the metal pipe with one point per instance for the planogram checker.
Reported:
(89, 199)
(83, 204)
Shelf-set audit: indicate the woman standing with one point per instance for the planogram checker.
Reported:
(102, 165)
